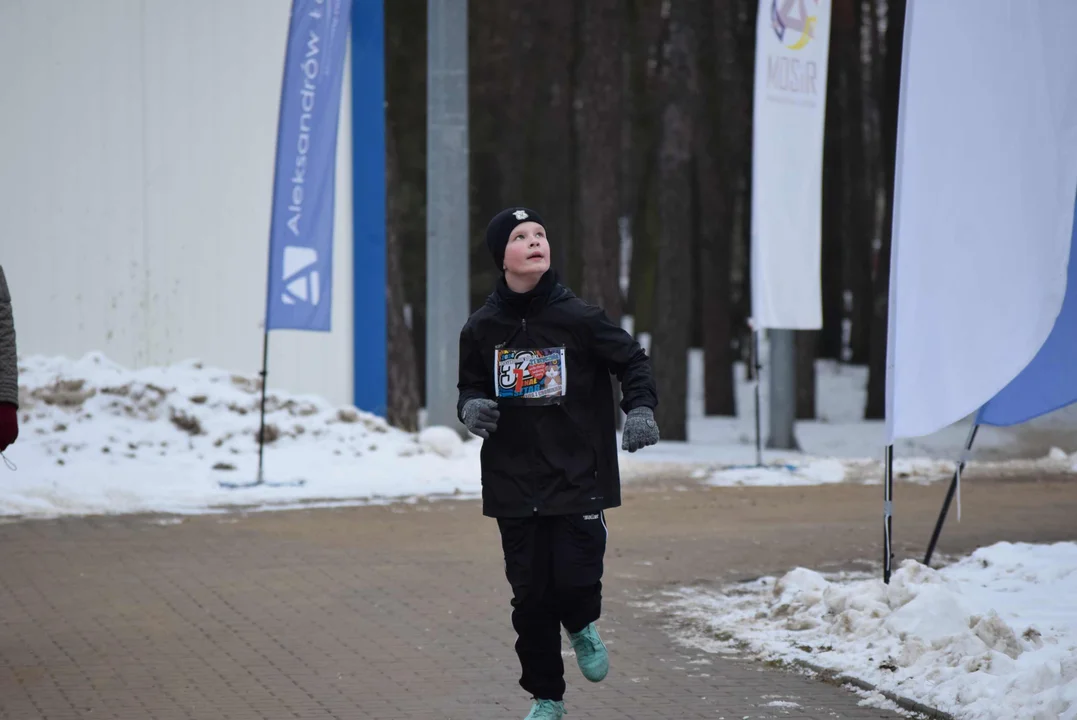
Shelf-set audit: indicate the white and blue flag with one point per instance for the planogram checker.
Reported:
(301, 231)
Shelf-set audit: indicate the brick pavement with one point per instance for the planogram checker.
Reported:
(402, 611)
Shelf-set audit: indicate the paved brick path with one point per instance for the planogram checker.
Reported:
(402, 611)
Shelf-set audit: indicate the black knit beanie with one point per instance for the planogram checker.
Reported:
(497, 232)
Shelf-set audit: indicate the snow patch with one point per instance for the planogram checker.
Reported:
(991, 636)
(99, 438)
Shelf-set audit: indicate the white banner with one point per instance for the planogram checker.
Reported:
(792, 40)
(984, 202)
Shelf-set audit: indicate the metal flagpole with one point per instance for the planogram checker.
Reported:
(888, 512)
(756, 367)
(260, 479)
(955, 485)
(262, 422)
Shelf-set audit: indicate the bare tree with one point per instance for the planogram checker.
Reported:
(598, 121)
(835, 207)
(738, 155)
(403, 380)
(648, 30)
(858, 181)
(848, 193)
(553, 145)
(405, 130)
(714, 211)
(895, 29)
(673, 284)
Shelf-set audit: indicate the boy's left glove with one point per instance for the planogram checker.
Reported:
(640, 429)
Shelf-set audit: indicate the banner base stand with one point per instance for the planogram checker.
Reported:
(955, 488)
(888, 513)
(260, 483)
(788, 467)
(757, 366)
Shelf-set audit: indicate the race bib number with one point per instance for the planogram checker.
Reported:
(526, 376)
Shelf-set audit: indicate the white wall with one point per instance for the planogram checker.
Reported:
(137, 141)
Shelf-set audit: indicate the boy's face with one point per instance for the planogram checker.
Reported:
(527, 252)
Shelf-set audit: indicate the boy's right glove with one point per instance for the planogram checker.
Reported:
(480, 416)
(640, 429)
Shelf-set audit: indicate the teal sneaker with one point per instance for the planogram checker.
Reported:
(591, 653)
(546, 710)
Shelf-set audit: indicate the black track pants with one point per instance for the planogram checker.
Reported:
(554, 565)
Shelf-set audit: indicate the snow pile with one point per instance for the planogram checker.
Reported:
(992, 636)
(99, 438)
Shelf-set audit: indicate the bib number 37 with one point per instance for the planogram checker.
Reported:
(530, 374)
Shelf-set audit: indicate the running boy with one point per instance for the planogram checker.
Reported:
(535, 366)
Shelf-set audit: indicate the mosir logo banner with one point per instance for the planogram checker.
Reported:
(792, 43)
(301, 235)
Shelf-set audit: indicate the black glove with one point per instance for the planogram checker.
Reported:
(480, 416)
(640, 429)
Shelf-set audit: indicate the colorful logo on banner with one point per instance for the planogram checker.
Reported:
(792, 18)
(530, 374)
(793, 69)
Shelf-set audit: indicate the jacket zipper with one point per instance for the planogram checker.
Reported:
(523, 328)
(534, 485)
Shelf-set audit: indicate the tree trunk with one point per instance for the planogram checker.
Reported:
(490, 65)
(599, 86)
(673, 284)
(403, 380)
(720, 395)
(876, 403)
(807, 344)
(405, 86)
(857, 177)
(738, 153)
(551, 164)
(648, 29)
(836, 209)
(598, 122)
(714, 216)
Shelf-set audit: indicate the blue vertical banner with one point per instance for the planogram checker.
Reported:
(301, 230)
(369, 195)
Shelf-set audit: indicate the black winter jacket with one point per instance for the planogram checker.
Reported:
(552, 455)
